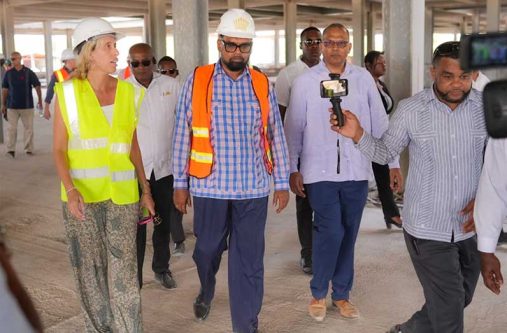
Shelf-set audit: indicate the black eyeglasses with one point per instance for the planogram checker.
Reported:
(144, 62)
(312, 42)
(328, 43)
(168, 71)
(447, 49)
(232, 47)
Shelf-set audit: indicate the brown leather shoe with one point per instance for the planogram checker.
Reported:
(346, 309)
(317, 309)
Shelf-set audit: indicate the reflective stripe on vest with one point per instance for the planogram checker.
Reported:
(61, 74)
(201, 157)
(99, 152)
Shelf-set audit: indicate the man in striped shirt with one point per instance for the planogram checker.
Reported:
(228, 143)
(444, 129)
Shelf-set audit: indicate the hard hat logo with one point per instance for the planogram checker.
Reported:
(236, 23)
(241, 24)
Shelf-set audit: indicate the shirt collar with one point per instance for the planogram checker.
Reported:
(323, 69)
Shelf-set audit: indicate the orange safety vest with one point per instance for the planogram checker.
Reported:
(126, 73)
(201, 156)
(61, 74)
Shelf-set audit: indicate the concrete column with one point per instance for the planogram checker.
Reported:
(417, 52)
(277, 47)
(7, 29)
(68, 33)
(48, 48)
(476, 21)
(290, 17)
(190, 34)
(370, 28)
(146, 29)
(428, 44)
(358, 31)
(157, 13)
(236, 4)
(493, 9)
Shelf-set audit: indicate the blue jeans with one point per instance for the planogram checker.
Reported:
(338, 208)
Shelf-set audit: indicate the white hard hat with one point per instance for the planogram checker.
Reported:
(236, 23)
(91, 27)
(68, 54)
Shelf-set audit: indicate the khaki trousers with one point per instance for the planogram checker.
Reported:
(26, 115)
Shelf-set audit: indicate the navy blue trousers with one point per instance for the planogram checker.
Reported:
(338, 208)
(239, 226)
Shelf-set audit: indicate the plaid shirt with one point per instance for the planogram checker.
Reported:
(238, 170)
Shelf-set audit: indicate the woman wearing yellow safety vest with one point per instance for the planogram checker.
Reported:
(97, 158)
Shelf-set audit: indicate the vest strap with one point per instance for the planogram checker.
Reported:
(71, 105)
(86, 144)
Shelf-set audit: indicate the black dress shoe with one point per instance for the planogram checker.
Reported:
(306, 265)
(166, 280)
(390, 222)
(395, 329)
(201, 309)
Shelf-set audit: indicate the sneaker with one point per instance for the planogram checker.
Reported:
(317, 309)
(166, 280)
(29, 153)
(11, 154)
(346, 309)
(306, 265)
(395, 329)
(201, 309)
(179, 249)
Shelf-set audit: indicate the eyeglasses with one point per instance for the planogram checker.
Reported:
(168, 71)
(335, 43)
(447, 49)
(312, 42)
(144, 62)
(232, 47)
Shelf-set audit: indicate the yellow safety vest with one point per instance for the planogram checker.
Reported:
(99, 153)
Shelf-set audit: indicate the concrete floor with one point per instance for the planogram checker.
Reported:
(386, 289)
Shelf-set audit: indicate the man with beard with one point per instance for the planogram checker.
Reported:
(310, 45)
(228, 142)
(445, 132)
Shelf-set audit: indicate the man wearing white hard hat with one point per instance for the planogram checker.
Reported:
(69, 64)
(99, 163)
(228, 144)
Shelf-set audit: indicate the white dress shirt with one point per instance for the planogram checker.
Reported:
(491, 199)
(156, 124)
(285, 79)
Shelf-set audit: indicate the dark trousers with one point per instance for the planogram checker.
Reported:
(304, 217)
(385, 194)
(238, 225)
(162, 193)
(338, 208)
(448, 273)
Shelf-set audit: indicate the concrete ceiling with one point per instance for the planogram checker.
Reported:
(449, 15)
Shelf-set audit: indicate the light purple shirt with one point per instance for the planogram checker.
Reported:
(308, 132)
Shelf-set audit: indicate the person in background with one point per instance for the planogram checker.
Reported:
(17, 102)
(228, 145)
(310, 45)
(154, 134)
(167, 66)
(99, 163)
(375, 63)
(69, 64)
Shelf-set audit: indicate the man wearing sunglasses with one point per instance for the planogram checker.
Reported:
(154, 133)
(228, 144)
(444, 129)
(337, 198)
(167, 66)
(17, 102)
(310, 45)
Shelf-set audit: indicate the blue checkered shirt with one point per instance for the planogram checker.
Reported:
(238, 170)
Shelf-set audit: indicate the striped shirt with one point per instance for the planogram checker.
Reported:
(238, 170)
(446, 154)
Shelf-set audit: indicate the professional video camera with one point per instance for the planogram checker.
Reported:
(483, 51)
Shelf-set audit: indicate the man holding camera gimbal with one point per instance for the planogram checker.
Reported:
(444, 129)
(336, 181)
